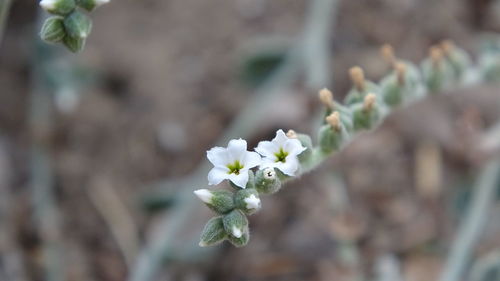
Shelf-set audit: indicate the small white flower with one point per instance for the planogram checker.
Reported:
(232, 163)
(236, 232)
(253, 202)
(48, 4)
(205, 195)
(281, 153)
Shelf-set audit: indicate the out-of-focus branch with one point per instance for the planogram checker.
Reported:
(474, 222)
(150, 259)
(4, 15)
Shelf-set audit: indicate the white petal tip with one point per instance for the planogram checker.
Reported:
(269, 174)
(202, 244)
(236, 232)
(252, 202)
(204, 194)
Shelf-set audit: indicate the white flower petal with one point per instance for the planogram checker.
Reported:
(268, 163)
(217, 175)
(204, 194)
(280, 138)
(241, 179)
(218, 156)
(293, 147)
(236, 150)
(252, 202)
(236, 232)
(251, 159)
(290, 166)
(267, 149)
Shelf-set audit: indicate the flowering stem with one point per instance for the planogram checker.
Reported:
(475, 220)
(4, 14)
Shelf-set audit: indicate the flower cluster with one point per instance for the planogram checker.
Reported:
(291, 154)
(68, 25)
(273, 160)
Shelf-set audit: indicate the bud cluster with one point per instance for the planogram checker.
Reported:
(68, 24)
(288, 155)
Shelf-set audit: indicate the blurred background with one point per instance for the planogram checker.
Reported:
(100, 151)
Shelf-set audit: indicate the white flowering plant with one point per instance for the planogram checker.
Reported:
(288, 155)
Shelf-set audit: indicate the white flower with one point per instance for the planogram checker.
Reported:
(205, 195)
(281, 153)
(48, 4)
(232, 163)
(252, 202)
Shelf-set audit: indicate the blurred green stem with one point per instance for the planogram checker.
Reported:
(42, 177)
(4, 15)
(474, 222)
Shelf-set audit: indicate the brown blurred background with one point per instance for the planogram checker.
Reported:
(158, 84)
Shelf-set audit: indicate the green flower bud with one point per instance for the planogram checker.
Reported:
(58, 7)
(236, 226)
(213, 233)
(74, 44)
(247, 200)
(490, 67)
(78, 25)
(90, 5)
(361, 87)
(458, 59)
(241, 241)
(436, 72)
(267, 182)
(366, 115)
(53, 30)
(333, 134)
(220, 201)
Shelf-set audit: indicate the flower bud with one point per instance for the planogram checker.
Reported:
(456, 57)
(247, 200)
(366, 115)
(78, 25)
(220, 201)
(74, 44)
(53, 30)
(266, 181)
(213, 233)
(361, 87)
(436, 72)
(306, 142)
(58, 7)
(235, 224)
(333, 134)
(241, 241)
(90, 5)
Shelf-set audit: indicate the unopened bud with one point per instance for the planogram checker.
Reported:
(221, 201)
(291, 134)
(400, 69)
(369, 102)
(357, 77)
(78, 25)
(236, 226)
(74, 44)
(447, 46)
(326, 98)
(58, 7)
(213, 233)
(53, 30)
(334, 120)
(387, 52)
(247, 200)
(90, 5)
(436, 55)
(266, 181)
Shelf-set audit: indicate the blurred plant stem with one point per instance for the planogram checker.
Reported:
(151, 257)
(4, 15)
(40, 119)
(477, 214)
